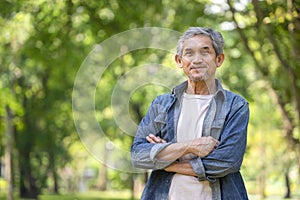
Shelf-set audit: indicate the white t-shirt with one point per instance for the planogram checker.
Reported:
(193, 110)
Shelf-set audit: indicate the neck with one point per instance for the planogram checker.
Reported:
(201, 87)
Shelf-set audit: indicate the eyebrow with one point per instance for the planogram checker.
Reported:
(204, 47)
(187, 49)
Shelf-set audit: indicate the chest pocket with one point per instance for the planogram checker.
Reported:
(216, 128)
(160, 121)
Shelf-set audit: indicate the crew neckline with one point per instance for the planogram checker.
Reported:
(197, 96)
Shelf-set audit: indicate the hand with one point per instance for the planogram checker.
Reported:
(154, 139)
(203, 146)
(183, 167)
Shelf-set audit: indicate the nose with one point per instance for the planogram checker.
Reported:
(197, 59)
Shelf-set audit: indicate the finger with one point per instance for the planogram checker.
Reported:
(152, 137)
(157, 139)
(149, 139)
(160, 140)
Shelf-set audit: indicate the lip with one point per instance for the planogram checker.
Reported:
(198, 67)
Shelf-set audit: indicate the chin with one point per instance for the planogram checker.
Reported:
(199, 78)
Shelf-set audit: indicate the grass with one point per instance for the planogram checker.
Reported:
(91, 195)
(117, 195)
(255, 197)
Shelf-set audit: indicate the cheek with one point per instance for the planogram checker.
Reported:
(182, 64)
(212, 66)
(185, 64)
(186, 69)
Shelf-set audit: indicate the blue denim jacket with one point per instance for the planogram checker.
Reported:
(226, 120)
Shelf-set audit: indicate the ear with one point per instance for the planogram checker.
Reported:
(220, 59)
(178, 61)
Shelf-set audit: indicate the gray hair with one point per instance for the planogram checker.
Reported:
(215, 36)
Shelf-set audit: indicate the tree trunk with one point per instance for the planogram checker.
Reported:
(262, 174)
(53, 172)
(287, 185)
(8, 152)
(262, 186)
(55, 180)
(28, 188)
(102, 175)
(102, 178)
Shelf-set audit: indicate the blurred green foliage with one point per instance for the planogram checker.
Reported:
(44, 42)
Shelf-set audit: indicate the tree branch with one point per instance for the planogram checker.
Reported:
(288, 69)
(288, 122)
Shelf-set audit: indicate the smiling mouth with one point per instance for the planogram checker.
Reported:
(200, 67)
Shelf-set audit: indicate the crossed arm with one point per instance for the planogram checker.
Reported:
(200, 147)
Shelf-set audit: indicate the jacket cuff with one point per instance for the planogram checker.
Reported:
(159, 164)
(199, 169)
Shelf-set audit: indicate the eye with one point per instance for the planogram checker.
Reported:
(188, 53)
(205, 51)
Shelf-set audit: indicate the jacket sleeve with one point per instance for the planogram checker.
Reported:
(228, 156)
(143, 153)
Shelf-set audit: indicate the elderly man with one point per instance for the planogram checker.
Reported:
(194, 138)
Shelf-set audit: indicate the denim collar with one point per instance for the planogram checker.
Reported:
(179, 90)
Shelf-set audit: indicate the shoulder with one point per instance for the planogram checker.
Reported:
(229, 96)
(163, 102)
(164, 97)
(234, 96)
(235, 100)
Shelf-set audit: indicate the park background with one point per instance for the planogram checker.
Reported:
(44, 42)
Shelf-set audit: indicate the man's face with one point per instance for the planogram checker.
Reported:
(199, 61)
